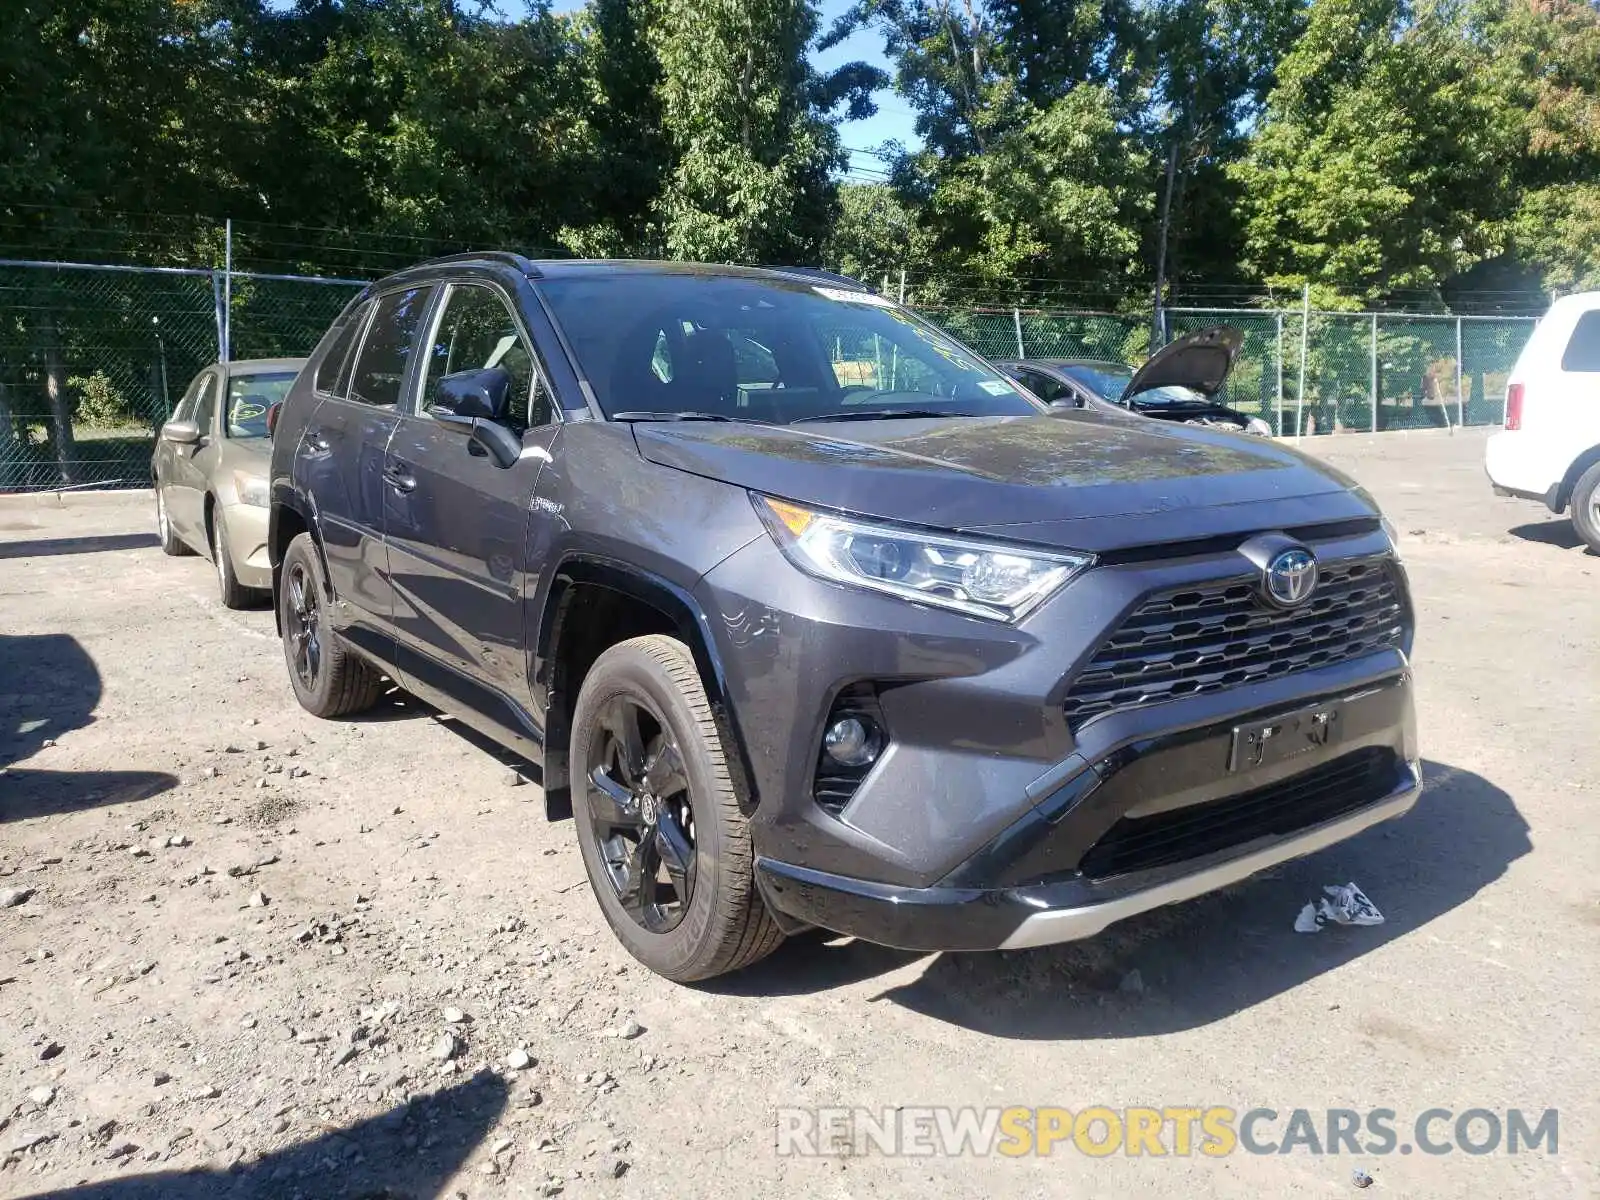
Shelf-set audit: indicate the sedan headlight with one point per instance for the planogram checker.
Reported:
(252, 489)
(979, 578)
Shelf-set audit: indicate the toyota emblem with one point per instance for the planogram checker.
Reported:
(1290, 578)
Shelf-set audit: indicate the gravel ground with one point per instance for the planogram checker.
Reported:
(246, 952)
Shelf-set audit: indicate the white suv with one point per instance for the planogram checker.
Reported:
(1549, 449)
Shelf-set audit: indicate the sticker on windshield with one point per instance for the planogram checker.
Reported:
(995, 388)
(850, 297)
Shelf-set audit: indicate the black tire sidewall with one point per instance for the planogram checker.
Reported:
(301, 550)
(1582, 507)
(686, 950)
(226, 583)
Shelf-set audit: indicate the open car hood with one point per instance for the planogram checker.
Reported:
(1199, 361)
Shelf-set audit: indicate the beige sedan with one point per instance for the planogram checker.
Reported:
(210, 472)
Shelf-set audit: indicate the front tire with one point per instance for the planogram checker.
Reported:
(328, 680)
(232, 593)
(1586, 507)
(665, 845)
(171, 544)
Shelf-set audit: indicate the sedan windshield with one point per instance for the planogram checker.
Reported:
(769, 350)
(1109, 382)
(249, 397)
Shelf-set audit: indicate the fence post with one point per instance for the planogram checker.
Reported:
(1374, 372)
(902, 285)
(1305, 333)
(1461, 370)
(1016, 319)
(227, 292)
(1279, 316)
(217, 303)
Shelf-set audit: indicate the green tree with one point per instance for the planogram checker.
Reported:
(755, 153)
(1384, 159)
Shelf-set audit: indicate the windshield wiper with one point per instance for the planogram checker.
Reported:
(682, 416)
(883, 414)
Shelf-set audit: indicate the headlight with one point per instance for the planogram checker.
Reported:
(982, 579)
(1258, 427)
(252, 489)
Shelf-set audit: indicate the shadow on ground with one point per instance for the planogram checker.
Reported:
(407, 1152)
(1560, 534)
(97, 544)
(50, 686)
(1198, 962)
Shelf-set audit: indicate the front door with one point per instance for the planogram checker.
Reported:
(457, 527)
(187, 481)
(343, 448)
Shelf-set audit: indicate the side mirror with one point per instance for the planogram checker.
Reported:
(274, 411)
(180, 433)
(484, 394)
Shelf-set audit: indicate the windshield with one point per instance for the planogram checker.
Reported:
(774, 351)
(249, 397)
(1110, 381)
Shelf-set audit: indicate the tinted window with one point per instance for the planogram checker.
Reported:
(476, 330)
(205, 406)
(1583, 351)
(331, 376)
(380, 367)
(249, 397)
(767, 350)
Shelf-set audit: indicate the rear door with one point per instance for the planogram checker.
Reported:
(342, 459)
(457, 523)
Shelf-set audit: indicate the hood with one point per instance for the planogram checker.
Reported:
(1199, 361)
(246, 454)
(1065, 480)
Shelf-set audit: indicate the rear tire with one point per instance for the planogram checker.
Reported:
(328, 680)
(643, 727)
(171, 544)
(232, 593)
(1586, 507)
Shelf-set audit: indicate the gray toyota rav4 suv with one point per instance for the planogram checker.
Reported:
(812, 618)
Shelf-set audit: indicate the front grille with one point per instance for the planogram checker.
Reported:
(1219, 635)
(1321, 794)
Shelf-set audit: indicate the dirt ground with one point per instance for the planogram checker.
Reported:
(266, 955)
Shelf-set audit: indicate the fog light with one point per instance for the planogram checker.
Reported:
(852, 742)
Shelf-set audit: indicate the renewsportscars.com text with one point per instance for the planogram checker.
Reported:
(1212, 1132)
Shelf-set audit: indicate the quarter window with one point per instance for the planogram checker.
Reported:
(380, 368)
(476, 331)
(1583, 351)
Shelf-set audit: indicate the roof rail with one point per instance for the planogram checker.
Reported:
(820, 273)
(504, 257)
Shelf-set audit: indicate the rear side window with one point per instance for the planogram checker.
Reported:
(380, 368)
(1583, 351)
(331, 375)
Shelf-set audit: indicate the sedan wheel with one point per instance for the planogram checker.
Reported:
(171, 543)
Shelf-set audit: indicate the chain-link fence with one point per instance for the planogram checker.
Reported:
(1306, 374)
(93, 358)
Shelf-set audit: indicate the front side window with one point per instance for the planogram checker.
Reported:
(771, 350)
(380, 368)
(205, 405)
(249, 397)
(476, 331)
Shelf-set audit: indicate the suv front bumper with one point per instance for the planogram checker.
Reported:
(970, 918)
(1058, 874)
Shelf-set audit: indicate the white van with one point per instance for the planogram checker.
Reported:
(1549, 449)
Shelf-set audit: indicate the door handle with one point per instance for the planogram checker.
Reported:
(400, 479)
